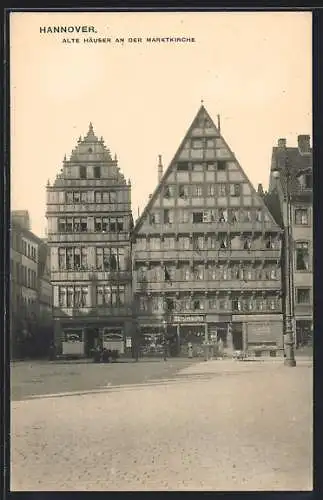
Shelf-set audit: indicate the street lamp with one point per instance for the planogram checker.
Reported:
(164, 341)
(289, 339)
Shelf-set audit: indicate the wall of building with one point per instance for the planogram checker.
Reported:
(89, 222)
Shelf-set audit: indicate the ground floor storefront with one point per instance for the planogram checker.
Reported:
(234, 332)
(79, 338)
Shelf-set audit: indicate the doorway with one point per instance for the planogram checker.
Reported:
(237, 337)
(92, 337)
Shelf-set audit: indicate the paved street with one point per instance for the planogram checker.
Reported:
(34, 377)
(216, 425)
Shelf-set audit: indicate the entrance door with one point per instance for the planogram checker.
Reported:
(237, 337)
(92, 337)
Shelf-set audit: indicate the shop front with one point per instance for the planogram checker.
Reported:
(81, 339)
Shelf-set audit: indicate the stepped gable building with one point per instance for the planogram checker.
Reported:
(207, 251)
(299, 161)
(89, 222)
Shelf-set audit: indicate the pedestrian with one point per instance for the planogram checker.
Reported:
(52, 349)
(190, 350)
(165, 350)
(220, 348)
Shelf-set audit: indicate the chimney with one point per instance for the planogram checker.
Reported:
(282, 143)
(160, 168)
(303, 142)
(219, 124)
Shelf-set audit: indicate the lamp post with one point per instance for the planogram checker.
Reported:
(164, 340)
(289, 339)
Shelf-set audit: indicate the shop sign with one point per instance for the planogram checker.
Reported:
(188, 319)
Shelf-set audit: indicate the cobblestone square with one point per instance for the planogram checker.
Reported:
(216, 425)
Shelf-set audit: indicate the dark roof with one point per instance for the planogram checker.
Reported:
(298, 163)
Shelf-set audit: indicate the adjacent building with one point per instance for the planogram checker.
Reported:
(30, 286)
(89, 223)
(298, 161)
(207, 251)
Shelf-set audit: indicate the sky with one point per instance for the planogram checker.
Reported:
(254, 69)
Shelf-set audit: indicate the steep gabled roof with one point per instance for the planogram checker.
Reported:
(202, 115)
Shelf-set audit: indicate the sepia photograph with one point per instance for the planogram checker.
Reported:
(161, 251)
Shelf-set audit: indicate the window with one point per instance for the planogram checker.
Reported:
(97, 172)
(270, 242)
(235, 189)
(182, 166)
(168, 216)
(155, 218)
(197, 167)
(197, 191)
(247, 216)
(223, 241)
(303, 295)
(198, 242)
(73, 296)
(212, 242)
(154, 243)
(110, 259)
(259, 215)
(210, 190)
(169, 243)
(113, 225)
(183, 243)
(247, 244)
(198, 304)
(143, 303)
(72, 224)
(185, 273)
(183, 191)
(301, 216)
(120, 225)
(98, 224)
(83, 225)
(197, 217)
(82, 172)
(141, 244)
(308, 181)
(302, 256)
(110, 296)
(169, 191)
(222, 165)
(210, 166)
(223, 215)
(183, 216)
(234, 216)
(222, 189)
